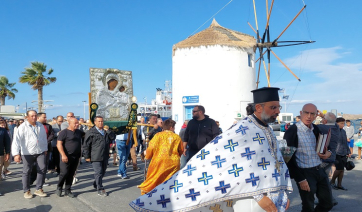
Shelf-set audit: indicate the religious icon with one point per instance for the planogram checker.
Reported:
(112, 90)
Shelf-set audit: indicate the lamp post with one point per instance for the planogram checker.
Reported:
(84, 109)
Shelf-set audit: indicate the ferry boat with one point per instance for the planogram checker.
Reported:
(161, 105)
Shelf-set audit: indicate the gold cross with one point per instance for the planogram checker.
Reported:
(170, 139)
(216, 208)
(229, 203)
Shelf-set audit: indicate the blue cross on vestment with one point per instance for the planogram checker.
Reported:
(149, 194)
(163, 201)
(203, 154)
(252, 179)
(189, 170)
(276, 174)
(258, 138)
(248, 153)
(287, 174)
(235, 170)
(192, 194)
(231, 145)
(263, 163)
(222, 187)
(216, 139)
(242, 129)
(205, 178)
(218, 162)
(175, 186)
(139, 203)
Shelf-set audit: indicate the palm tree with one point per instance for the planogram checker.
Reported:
(36, 77)
(6, 89)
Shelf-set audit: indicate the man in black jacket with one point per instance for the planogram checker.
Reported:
(305, 164)
(199, 131)
(96, 151)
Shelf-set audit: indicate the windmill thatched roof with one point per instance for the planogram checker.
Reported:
(217, 35)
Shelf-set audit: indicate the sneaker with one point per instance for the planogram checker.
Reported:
(3, 176)
(102, 193)
(40, 193)
(342, 188)
(125, 177)
(8, 172)
(69, 194)
(46, 184)
(75, 180)
(94, 185)
(114, 164)
(136, 168)
(28, 195)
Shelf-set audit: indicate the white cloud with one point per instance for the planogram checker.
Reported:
(328, 79)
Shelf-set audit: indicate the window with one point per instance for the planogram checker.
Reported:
(250, 64)
(188, 112)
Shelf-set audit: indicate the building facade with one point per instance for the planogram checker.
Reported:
(213, 68)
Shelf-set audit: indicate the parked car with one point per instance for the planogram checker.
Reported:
(275, 126)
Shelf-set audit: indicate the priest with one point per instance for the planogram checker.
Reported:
(240, 170)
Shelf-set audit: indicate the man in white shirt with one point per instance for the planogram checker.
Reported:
(30, 142)
(350, 134)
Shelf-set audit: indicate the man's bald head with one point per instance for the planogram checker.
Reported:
(308, 114)
(310, 106)
(73, 124)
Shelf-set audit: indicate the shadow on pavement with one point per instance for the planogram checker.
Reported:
(39, 208)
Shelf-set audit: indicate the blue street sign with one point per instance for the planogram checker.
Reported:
(190, 99)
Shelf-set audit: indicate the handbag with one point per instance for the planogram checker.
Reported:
(349, 165)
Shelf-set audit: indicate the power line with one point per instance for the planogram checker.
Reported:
(211, 17)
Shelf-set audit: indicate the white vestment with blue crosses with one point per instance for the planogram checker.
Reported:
(236, 164)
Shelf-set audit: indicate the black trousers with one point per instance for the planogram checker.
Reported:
(319, 185)
(67, 171)
(191, 153)
(54, 160)
(100, 168)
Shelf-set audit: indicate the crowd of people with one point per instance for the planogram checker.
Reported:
(59, 146)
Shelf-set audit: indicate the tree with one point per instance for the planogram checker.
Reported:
(37, 78)
(6, 89)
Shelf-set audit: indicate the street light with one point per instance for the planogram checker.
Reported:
(84, 109)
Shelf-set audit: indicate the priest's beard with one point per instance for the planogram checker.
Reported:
(266, 118)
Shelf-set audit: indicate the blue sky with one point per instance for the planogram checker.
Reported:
(72, 36)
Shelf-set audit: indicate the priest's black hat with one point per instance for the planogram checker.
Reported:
(266, 94)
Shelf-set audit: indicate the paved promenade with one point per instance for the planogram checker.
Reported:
(121, 192)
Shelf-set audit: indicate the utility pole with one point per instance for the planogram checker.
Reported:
(84, 110)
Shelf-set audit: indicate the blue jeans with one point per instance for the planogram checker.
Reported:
(123, 151)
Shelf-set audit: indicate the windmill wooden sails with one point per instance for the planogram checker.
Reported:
(264, 44)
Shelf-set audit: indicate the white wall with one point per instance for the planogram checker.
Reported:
(219, 75)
